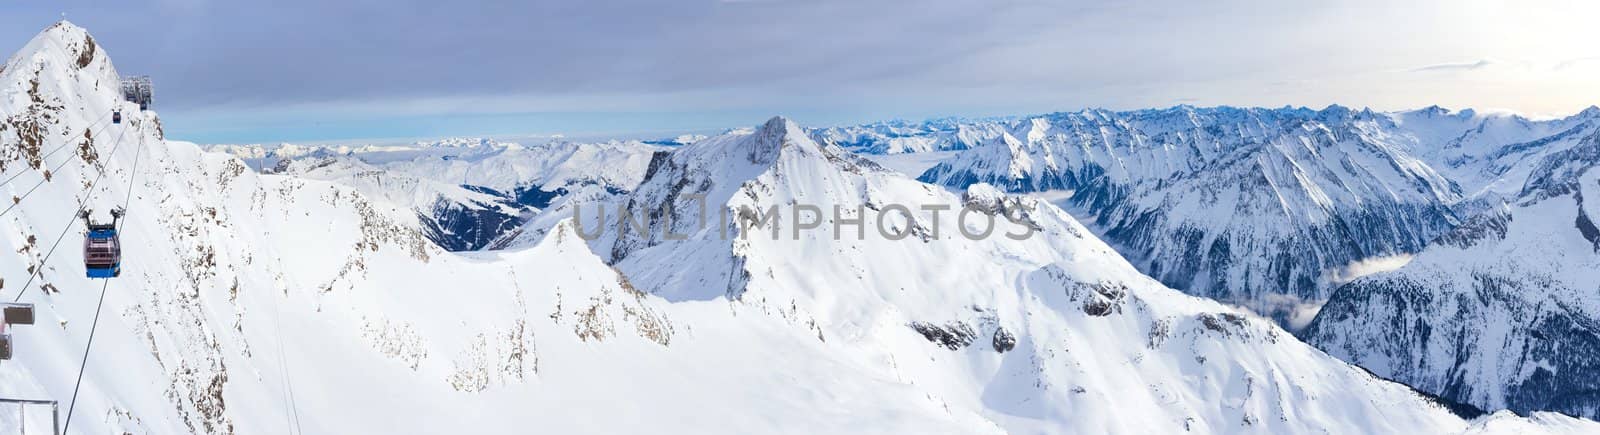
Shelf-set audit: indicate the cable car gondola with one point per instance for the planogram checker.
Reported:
(116, 117)
(102, 250)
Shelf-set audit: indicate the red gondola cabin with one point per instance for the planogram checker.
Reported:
(102, 249)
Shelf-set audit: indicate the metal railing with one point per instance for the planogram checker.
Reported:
(22, 414)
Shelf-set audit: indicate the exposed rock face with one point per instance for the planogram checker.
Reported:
(953, 336)
(467, 227)
(1003, 341)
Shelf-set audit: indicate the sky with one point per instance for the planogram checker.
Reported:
(308, 71)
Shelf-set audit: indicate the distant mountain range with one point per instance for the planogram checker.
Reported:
(1278, 209)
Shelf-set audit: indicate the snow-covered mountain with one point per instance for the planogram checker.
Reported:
(1260, 207)
(1470, 320)
(1492, 155)
(273, 303)
(1503, 312)
(1015, 315)
(468, 194)
(455, 217)
(553, 177)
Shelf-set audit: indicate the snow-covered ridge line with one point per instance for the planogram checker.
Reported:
(1251, 204)
(890, 137)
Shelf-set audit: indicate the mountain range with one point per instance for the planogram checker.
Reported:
(1284, 210)
(313, 296)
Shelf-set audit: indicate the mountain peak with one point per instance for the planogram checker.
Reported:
(777, 134)
(64, 24)
(779, 123)
(63, 32)
(64, 41)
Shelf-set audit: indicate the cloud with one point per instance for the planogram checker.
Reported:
(1361, 268)
(1454, 67)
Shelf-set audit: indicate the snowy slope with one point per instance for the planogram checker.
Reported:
(1504, 312)
(256, 303)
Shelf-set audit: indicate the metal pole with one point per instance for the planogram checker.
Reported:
(55, 418)
(22, 419)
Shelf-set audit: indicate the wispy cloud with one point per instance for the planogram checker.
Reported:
(1454, 67)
